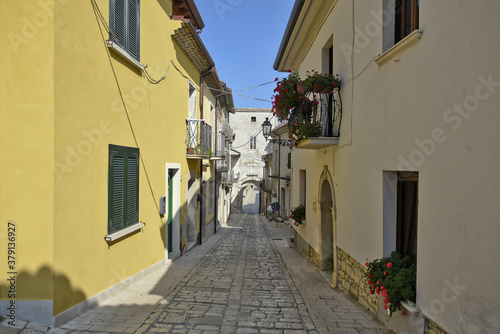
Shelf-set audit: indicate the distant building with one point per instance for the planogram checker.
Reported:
(248, 165)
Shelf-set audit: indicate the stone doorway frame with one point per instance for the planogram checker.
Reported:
(328, 225)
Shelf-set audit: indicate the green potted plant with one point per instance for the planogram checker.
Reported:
(395, 278)
(285, 96)
(321, 82)
(298, 214)
(299, 131)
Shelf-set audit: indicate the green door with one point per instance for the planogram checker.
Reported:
(170, 206)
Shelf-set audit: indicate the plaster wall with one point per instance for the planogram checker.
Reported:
(79, 98)
(431, 109)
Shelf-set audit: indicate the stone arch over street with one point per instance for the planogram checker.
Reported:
(249, 197)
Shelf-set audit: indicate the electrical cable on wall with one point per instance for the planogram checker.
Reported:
(98, 14)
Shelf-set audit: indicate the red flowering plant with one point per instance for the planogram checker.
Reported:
(321, 82)
(285, 96)
(298, 214)
(301, 123)
(395, 278)
(299, 131)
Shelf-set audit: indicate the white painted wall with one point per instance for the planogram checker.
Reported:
(249, 165)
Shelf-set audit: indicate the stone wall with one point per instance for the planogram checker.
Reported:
(352, 280)
(314, 257)
(304, 249)
(434, 328)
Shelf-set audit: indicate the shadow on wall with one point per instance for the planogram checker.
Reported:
(43, 288)
(248, 199)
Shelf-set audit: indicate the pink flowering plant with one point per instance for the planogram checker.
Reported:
(395, 278)
(298, 214)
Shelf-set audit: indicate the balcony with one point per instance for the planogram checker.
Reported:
(227, 178)
(315, 123)
(199, 139)
(222, 165)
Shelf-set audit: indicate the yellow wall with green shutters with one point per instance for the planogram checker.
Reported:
(63, 96)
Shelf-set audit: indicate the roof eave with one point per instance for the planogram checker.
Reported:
(297, 8)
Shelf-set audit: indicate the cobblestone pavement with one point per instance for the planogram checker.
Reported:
(240, 283)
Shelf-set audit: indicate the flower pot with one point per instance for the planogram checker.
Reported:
(319, 86)
(299, 88)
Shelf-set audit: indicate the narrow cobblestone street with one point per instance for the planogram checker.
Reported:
(245, 279)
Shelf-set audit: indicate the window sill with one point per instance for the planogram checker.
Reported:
(399, 47)
(125, 55)
(410, 307)
(122, 233)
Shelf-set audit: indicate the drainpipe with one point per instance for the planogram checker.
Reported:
(279, 174)
(202, 97)
(216, 186)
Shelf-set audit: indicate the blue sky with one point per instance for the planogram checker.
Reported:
(243, 38)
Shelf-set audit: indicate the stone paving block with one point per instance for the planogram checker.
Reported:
(18, 324)
(37, 327)
(247, 330)
(56, 331)
(245, 282)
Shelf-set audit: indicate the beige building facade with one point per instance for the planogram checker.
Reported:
(418, 106)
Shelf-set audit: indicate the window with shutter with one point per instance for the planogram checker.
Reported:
(123, 187)
(125, 25)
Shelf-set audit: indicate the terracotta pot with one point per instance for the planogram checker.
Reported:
(299, 88)
(319, 86)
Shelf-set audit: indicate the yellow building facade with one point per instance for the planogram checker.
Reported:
(81, 93)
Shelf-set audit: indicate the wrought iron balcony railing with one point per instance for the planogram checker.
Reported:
(318, 116)
(199, 138)
(223, 164)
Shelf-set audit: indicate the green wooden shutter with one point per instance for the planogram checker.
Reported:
(118, 22)
(132, 208)
(133, 25)
(125, 24)
(116, 191)
(123, 187)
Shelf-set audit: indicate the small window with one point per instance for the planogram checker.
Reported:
(125, 25)
(406, 241)
(253, 143)
(400, 213)
(302, 187)
(123, 187)
(406, 18)
(254, 119)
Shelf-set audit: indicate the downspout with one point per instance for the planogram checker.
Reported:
(216, 185)
(279, 174)
(202, 97)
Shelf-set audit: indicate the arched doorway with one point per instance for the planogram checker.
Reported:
(327, 245)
